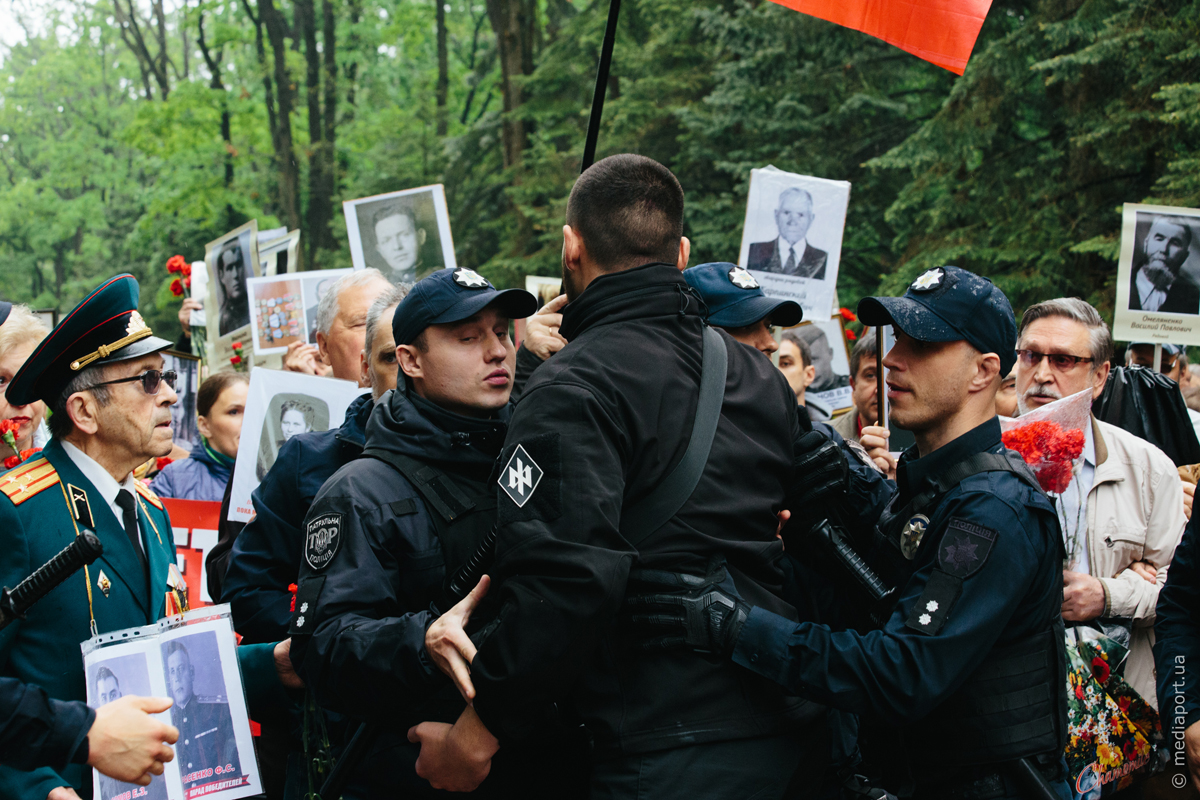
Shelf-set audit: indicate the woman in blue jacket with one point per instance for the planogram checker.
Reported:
(220, 406)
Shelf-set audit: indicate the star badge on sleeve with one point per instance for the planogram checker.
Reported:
(470, 279)
(929, 280)
(742, 279)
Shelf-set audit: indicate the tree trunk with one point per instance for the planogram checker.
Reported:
(285, 154)
(329, 148)
(316, 219)
(214, 67)
(443, 80)
(514, 24)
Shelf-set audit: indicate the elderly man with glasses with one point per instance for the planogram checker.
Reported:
(1122, 515)
(100, 372)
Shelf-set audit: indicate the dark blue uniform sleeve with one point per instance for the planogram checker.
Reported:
(364, 655)
(901, 674)
(36, 731)
(1177, 628)
(265, 558)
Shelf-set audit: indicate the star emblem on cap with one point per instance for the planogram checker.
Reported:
(470, 279)
(931, 279)
(742, 279)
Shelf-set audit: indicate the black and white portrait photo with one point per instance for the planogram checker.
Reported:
(314, 285)
(792, 238)
(288, 415)
(279, 406)
(231, 260)
(111, 679)
(405, 235)
(1158, 275)
(830, 361)
(207, 749)
(187, 384)
(1161, 246)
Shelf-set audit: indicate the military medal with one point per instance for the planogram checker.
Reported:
(104, 583)
(911, 534)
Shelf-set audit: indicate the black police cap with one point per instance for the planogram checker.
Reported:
(452, 295)
(105, 328)
(949, 304)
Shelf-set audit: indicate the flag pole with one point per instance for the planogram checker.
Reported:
(602, 70)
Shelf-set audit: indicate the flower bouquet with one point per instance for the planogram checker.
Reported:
(8, 432)
(1051, 439)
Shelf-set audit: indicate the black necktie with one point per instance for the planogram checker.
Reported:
(790, 266)
(129, 512)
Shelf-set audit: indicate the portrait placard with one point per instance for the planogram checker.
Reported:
(187, 384)
(277, 312)
(278, 256)
(280, 405)
(197, 318)
(405, 235)
(192, 659)
(1158, 275)
(830, 360)
(231, 260)
(792, 237)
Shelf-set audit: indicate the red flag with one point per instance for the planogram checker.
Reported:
(940, 31)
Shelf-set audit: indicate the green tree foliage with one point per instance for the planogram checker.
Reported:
(130, 132)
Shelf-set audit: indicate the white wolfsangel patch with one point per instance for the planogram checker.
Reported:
(520, 477)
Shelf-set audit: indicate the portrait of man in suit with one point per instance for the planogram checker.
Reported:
(1156, 283)
(790, 253)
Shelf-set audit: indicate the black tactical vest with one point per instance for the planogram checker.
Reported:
(1015, 704)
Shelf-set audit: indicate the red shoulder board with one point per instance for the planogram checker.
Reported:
(27, 480)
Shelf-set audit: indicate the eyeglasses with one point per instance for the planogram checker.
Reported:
(152, 380)
(1061, 362)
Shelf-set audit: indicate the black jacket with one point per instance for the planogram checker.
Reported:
(359, 644)
(598, 426)
(38, 731)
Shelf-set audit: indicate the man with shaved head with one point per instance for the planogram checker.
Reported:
(790, 253)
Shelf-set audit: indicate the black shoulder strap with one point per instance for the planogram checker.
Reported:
(650, 513)
(435, 487)
(1008, 461)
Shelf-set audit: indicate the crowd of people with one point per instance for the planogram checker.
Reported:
(667, 606)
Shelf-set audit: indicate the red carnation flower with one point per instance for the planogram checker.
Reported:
(237, 345)
(186, 271)
(9, 426)
(176, 264)
(293, 588)
(1049, 450)
(851, 335)
(27, 453)
(177, 287)
(1100, 669)
(847, 315)
(11, 462)
(235, 360)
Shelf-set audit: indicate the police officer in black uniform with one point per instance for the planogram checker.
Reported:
(600, 425)
(384, 531)
(961, 687)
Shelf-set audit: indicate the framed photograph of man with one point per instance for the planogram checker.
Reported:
(280, 405)
(314, 285)
(231, 260)
(116, 672)
(792, 237)
(1158, 275)
(405, 235)
(278, 256)
(187, 384)
(826, 340)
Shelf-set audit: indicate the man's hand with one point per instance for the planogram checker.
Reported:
(448, 645)
(1189, 494)
(1191, 741)
(455, 758)
(305, 358)
(1083, 597)
(283, 666)
(126, 743)
(62, 793)
(705, 614)
(190, 304)
(1144, 570)
(874, 440)
(541, 330)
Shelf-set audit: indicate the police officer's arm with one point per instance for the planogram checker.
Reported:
(561, 565)
(901, 673)
(1177, 649)
(38, 731)
(353, 642)
(265, 556)
(1128, 594)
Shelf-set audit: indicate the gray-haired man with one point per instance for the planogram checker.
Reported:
(341, 328)
(790, 253)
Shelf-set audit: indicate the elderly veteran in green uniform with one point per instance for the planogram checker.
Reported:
(100, 373)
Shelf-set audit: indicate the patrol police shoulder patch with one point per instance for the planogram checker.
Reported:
(965, 548)
(520, 477)
(322, 538)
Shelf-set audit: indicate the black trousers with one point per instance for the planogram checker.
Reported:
(745, 769)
